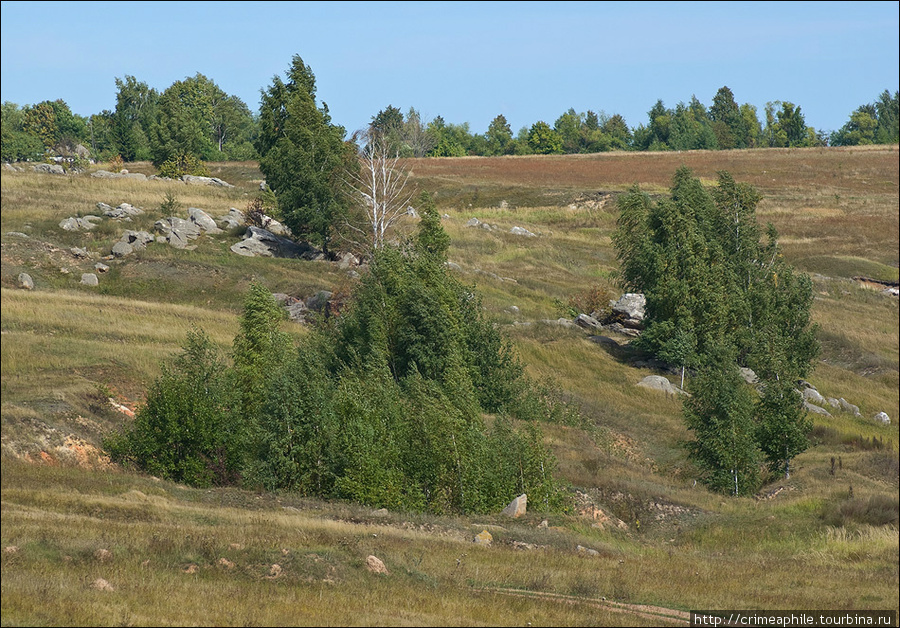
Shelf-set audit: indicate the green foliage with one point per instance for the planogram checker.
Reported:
(871, 124)
(720, 414)
(134, 118)
(719, 298)
(544, 140)
(304, 156)
(17, 143)
(185, 432)
(181, 164)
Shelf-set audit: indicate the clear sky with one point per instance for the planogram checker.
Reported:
(465, 61)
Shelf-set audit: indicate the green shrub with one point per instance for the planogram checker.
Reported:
(183, 164)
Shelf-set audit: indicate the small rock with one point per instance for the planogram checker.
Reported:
(848, 407)
(11, 549)
(484, 538)
(375, 565)
(89, 279)
(102, 555)
(883, 418)
(520, 231)
(660, 383)
(516, 507)
(473, 222)
(100, 267)
(811, 407)
(749, 375)
(812, 395)
(101, 585)
(544, 524)
(191, 569)
(225, 563)
(25, 281)
(587, 551)
(122, 248)
(586, 321)
(513, 309)
(275, 570)
(78, 252)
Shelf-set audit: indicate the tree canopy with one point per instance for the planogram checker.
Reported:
(719, 297)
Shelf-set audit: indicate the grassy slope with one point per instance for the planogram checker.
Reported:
(65, 345)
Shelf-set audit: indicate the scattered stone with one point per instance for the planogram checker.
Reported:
(883, 418)
(660, 383)
(749, 375)
(123, 212)
(375, 565)
(235, 546)
(178, 232)
(484, 538)
(586, 321)
(319, 301)
(121, 249)
(75, 223)
(25, 281)
(78, 252)
(259, 242)
(629, 310)
(848, 407)
(512, 309)
(521, 545)
(233, 219)
(559, 322)
(544, 524)
(834, 403)
(225, 563)
(124, 174)
(103, 555)
(587, 551)
(11, 549)
(191, 569)
(473, 222)
(347, 260)
(812, 395)
(520, 231)
(17, 234)
(89, 279)
(102, 585)
(203, 220)
(516, 507)
(195, 180)
(100, 267)
(815, 409)
(49, 169)
(275, 570)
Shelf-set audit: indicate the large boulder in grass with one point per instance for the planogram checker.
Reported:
(195, 180)
(233, 219)
(178, 232)
(629, 310)
(660, 383)
(203, 220)
(259, 242)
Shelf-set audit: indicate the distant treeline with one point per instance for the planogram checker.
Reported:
(195, 117)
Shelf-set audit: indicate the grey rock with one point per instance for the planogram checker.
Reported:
(203, 220)
(122, 248)
(630, 309)
(194, 180)
(233, 219)
(319, 300)
(513, 309)
(516, 507)
(69, 224)
(178, 231)
(660, 383)
(17, 234)
(473, 222)
(259, 242)
(883, 418)
(834, 403)
(815, 409)
(347, 260)
(560, 322)
(137, 239)
(78, 252)
(848, 407)
(453, 266)
(89, 279)
(124, 211)
(100, 267)
(520, 231)
(297, 311)
(49, 169)
(588, 322)
(25, 281)
(75, 223)
(587, 551)
(748, 375)
(812, 395)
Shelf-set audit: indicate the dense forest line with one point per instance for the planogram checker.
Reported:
(194, 119)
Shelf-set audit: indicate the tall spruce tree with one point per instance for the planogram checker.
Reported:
(304, 156)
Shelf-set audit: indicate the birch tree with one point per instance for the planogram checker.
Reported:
(382, 186)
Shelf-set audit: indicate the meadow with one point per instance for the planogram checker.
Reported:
(826, 538)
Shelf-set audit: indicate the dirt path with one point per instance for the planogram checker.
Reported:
(653, 613)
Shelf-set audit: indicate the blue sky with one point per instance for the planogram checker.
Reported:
(465, 61)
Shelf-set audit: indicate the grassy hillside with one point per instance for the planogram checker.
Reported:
(825, 538)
